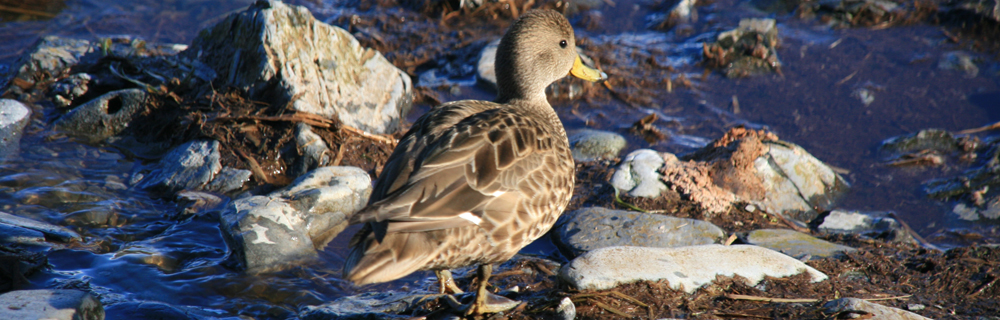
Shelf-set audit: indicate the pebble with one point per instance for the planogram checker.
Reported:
(686, 268)
(590, 145)
(14, 116)
(853, 307)
(795, 244)
(566, 309)
(638, 174)
(877, 225)
(587, 229)
(50, 304)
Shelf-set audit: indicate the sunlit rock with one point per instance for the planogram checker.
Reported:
(14, 116)
(587, 229)
(874, 225)
(854, 307)
(51, 55)
(286, 227)
(748, 50)
(48, 229)
(795, 244)
(283, 55)
(685, 268)
(50, 304)
(638, 174)
(590, 145)
(312, 151)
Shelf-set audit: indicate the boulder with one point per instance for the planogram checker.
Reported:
(105, 116)
(284, 56)
(590, 145)
(14, 116)
(50, 304)
(587, 229)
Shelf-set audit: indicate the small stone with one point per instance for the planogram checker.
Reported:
(685, 268)
(50, 304)
(190, 166)
(961, 61)
(795, 243)
(566, 310)
(590, 145)
(638, 174)
(915, 307)
(587, 229)
(750, 208)
(846, 307)
(877, 225)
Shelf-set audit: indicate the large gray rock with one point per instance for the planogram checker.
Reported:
(590, 145)
(105, 116)
(796, 182)
(194, 165)
(267, 233)
(591, 228)
(50, 304)
(283, 55)
(50, 230)
(795, 244)
(638, 174)
(848, 307)
(686, 268)
(14, 116)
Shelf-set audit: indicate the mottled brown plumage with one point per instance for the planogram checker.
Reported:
(473, 182)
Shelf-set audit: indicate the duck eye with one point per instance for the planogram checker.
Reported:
(562, 44)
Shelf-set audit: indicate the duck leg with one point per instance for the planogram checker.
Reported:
(446, 282)
(486, 302)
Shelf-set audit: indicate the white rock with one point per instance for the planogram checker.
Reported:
(14, 116)
(50, 304)
(686, 268)
(848, 306)
(638, 174)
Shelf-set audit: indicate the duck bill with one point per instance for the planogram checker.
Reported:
(584, 72)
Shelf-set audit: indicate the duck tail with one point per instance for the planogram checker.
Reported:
(396, 256)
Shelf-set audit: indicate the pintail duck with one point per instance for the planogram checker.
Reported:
(473, 182)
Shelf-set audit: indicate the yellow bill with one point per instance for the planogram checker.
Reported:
(584, 72)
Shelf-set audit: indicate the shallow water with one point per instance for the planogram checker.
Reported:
(147, 249)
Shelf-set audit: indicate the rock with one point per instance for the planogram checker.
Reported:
(960, 61)
(590, 145)
(268, 233)
(68, 89)
(370, 305)
(748, 50)
(637, 175)
(14, 116)
(312, 151)
(284, 55)
(228, 180)
(189, 166)
(927, 139)
(50, 304)
(985, 9)
(686, 268)
(683, 12)
(587, 229)
(485, 67)
(105, 116)
(50, 56)
(159, 310)
(566, 309)
(20, 235)
(754, 166)
(17, 263)
(877, 225)
(795, 244)
(853, 307)
(57, 232)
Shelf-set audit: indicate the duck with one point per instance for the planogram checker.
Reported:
(473, 182)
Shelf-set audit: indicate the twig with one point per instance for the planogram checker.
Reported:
(377, 137)
(27, 12)
(626, 204)
(629, 298)
(994, 126)
(740, 315)
(766, 299)
(923, 242)
(254, 166)
(307, 118)
(610, 309)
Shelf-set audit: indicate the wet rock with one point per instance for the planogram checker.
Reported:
(312, 151)
(14, 116)
(586, 229)
(103, 117)
(190, 166)
(52, 55)
(853, 307)
(284, 55)
(795, 244)
(847, 13)
(67, 90)
(960, 61)
(747, 50)
(20, 235)
(754, 166)
(16, 264)
(590, 145)
(228, 180)
(159, 310)
(50, 230)
(370, 305)
(686, 268)
(267, 233)
(927, 139)
(638, 174)
(875, 225)
(50, 304)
